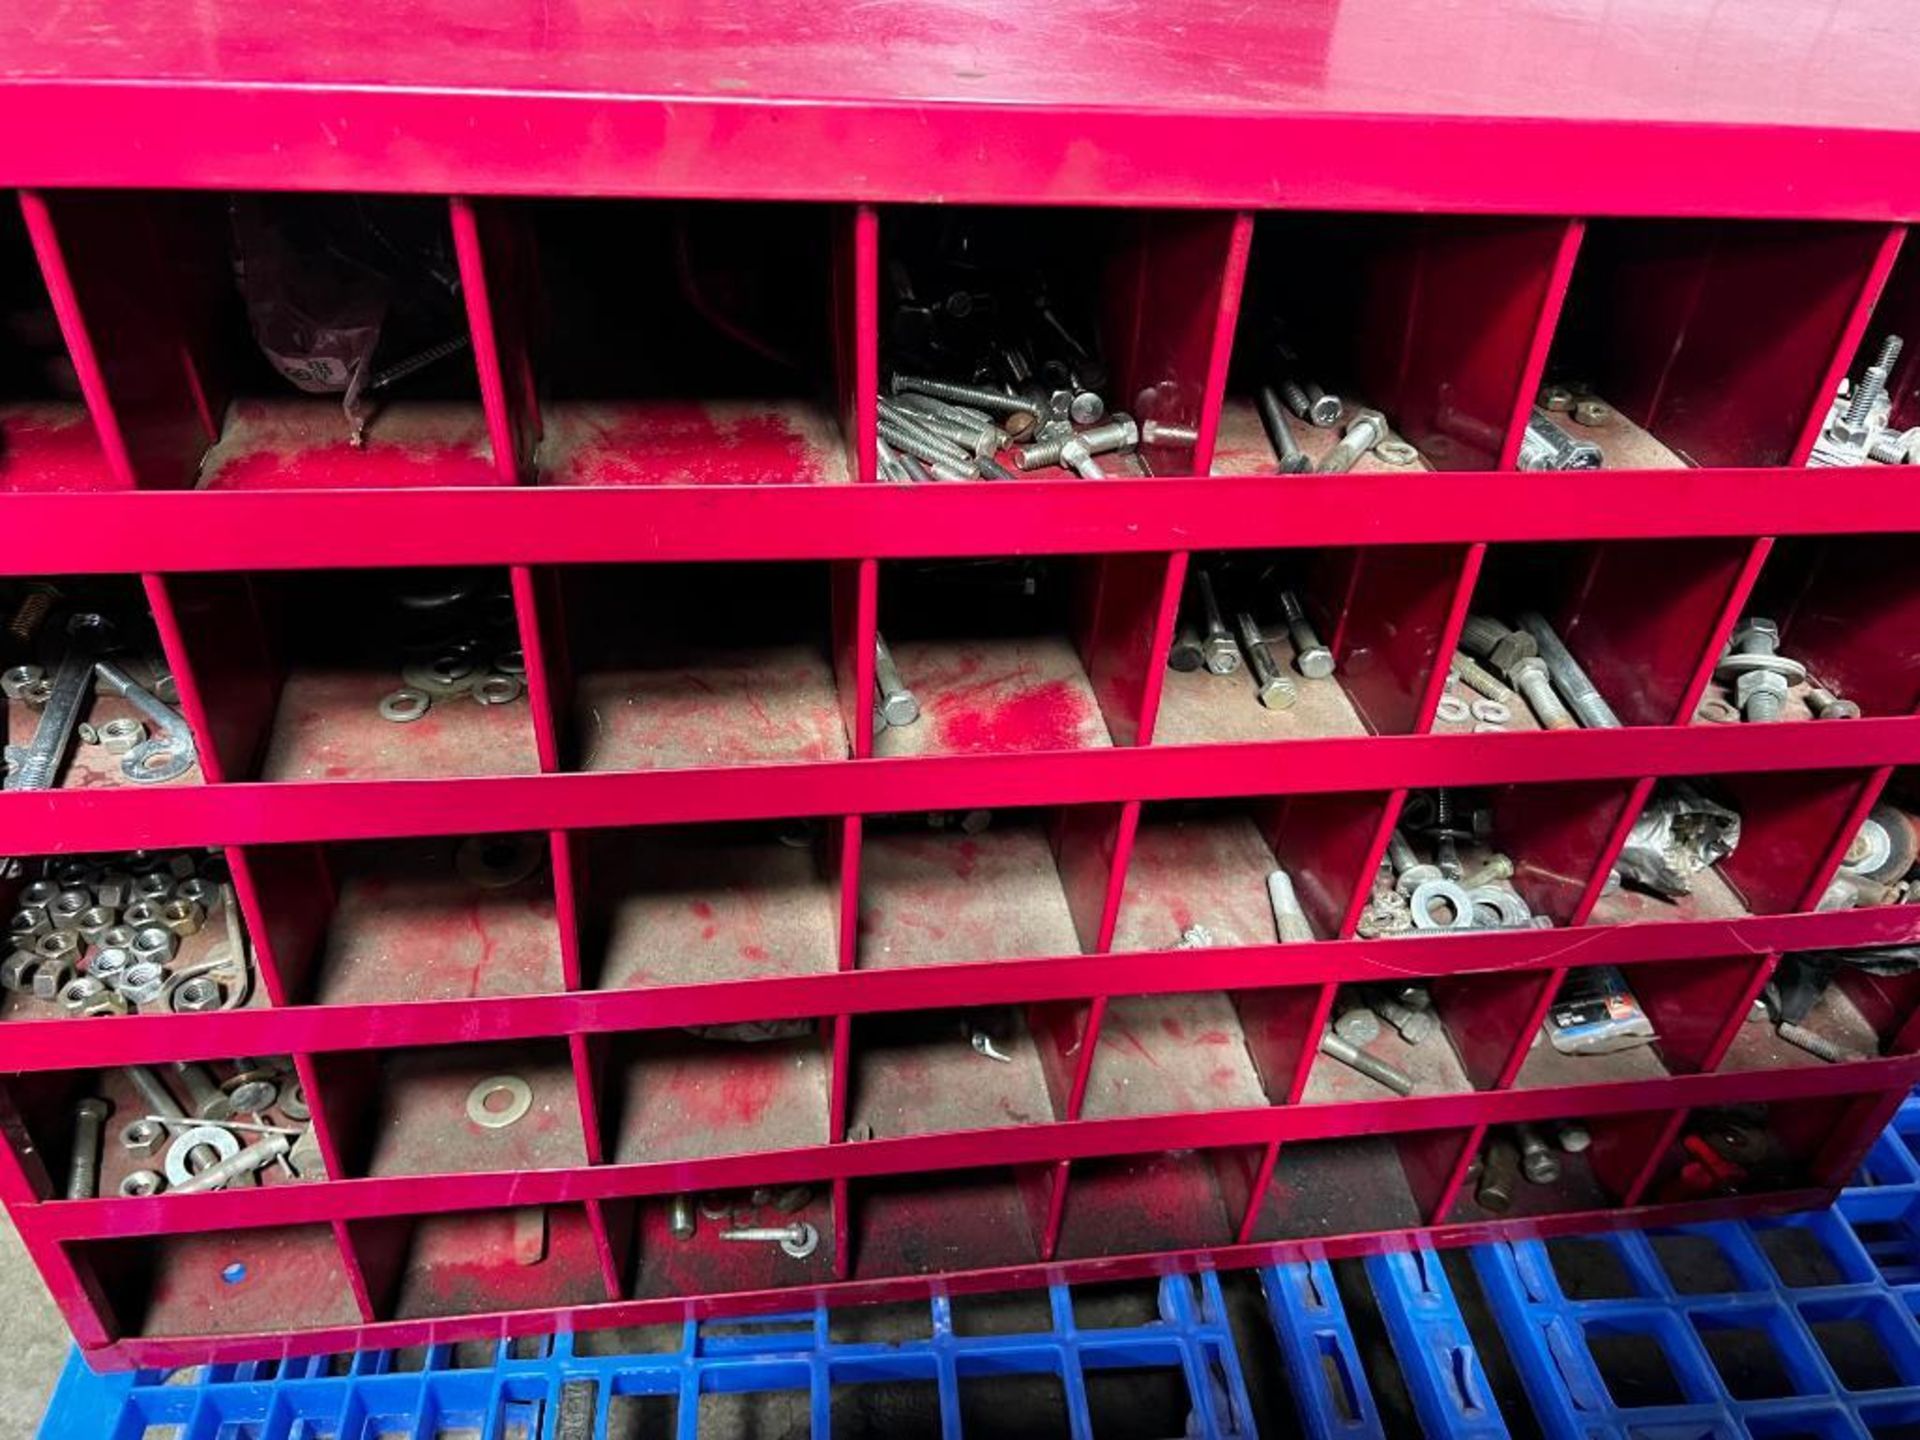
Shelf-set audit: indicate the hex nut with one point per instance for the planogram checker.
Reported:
(197, 994)
(139, 1184)
(117, 737)
(1753, 681)
(118, 935)
(183, 917)
(143, 1137)
(38, 894)
(153, 942)
(109, 963)
(1556, 398)
(142, 982)
(1591, 413)
(94, 923)
(156, 886)
(80, 992)
(201, 892)
(56, 944)
(142, 913)
(16, 971)
(24, 925)
(114, 889)
(18, 680)
(50, 978)
(1717, 711)
(68, 906)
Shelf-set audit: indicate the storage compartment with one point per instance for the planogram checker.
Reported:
(1827, 1007)
(1609, 1024)
(937, 1223)
(928, 1072)
(1870, 417)
(1754, 1149)
(1425, 319)
(379, 674)
(945, 888)
(1708, 341)
(1357, 658)
(229, 1282)
(47, 439)
(396, 921)
(1137, 1204)
(80, 656)
(1086, 315)
(1207, 1050)
(1389, 1039)
(681, 1247)
(1559, 1167)
(1884, 851)
(1634, 618)
(994, 656)
(696, 904)
(1356, 1185)
(479, 1262)
(453, 1109)
(676, 666)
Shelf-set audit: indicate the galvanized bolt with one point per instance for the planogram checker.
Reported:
(994, 402)
(1273, 415)
(257, 1156)
(1853, 427)
(1374, 1068)
(1158, 432)
(83, 1167)
(1185, 655)
(1357, 1025)
(799, 1239)
(1568, 678)
(1499, 1175)
(1077, 458)
(1217, 649)
(1289, 920)
(1479, 679)
(680, 1222)
(1537, 1159)
(1497, 869)
(1493, 642)
(897, 704)
(1274, 690)
(1828, 706)
(1366, 430)
(975, 440)
(1531, 679)
(1086, 408)
(1409, 872)
(1816, 1045)
(1414, 1025)
(1311, 403)
(1315, 660)
(1119, 433)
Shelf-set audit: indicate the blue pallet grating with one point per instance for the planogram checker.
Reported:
(562, 1395)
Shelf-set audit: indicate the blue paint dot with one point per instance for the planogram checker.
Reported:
(234, 1273)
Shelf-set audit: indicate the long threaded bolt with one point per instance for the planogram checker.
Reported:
(1531, 679)
(889, 464)
(994, 402)
(1494, 643)
(1568, 678)
(1414, 1025)
(680, 1221)
(1185, 655)
(83, 1167)
(976, 440)
(1537, 1159)
(1364, 431)
(1119, 433)
(1890, 352)
(1289, 920)
(1222, 656)
(1273, 415)
(31, 613)
(1479, 679)
(1828, 706)
(897, 705)
(924, 444)
(1371, 1066)
(257, 1156)
(1294, 396)
(1274, 690)
(1314, 659)
(1816, 1045)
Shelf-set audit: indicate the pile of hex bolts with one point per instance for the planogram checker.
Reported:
(1513, 1151)
(1203, 641)
(1530, 667)
(1291, 395)
(1407, 1008)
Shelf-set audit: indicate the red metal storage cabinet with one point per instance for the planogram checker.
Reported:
(508, 954)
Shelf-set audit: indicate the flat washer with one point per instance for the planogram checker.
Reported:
(519, 1101)
(1509, 905)
(1491, 712)
(224, 1142)
(1430, 892)
(405, 705)
(293, 1103)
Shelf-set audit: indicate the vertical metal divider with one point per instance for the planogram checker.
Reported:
(1749, 994)
(1865, 1118)
(1836, 849)
(1213, 399)
(470, 255)
(75, 1288)
(1664, 1140)
(1456, 1179)
(1456, 622)
(866, 346)
(1851, 334)
(1559, 281)
(1738, 596)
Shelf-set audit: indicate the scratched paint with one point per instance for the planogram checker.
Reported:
(942, 896)
(685, 442)
(994, 696)
(50, 445)
(303, 443)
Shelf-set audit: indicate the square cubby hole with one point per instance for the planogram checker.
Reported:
(1427, 320)
(359, 675)
(1356, 1184)
(1883, 856)
(1839, 615)
(1895, 327)
(1789, 826)
(1174, 1200)
(47, 439)
(695, 904)
(1636, 616)
(384, 921)
(1404, 1028)
(998, 656)
(679, 342)
(929, 1072)
(945, 888)
(227, 1282)
(1357, 661)
(453, 1109)
(1189, 1051)
(1767, 1147)
(938, 1222)
(696, 1091)
(1855, 1004)
(659, 1263)
(1706, 341)
(90, 636)
(1119, 305)
(1559, 1167)
(682, 665)
(479, 1262)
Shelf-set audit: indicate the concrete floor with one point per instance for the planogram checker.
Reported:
(37, 1341)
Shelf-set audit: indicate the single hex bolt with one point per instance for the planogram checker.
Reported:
(206, 1099)
(680, 1221)
(1273, 415)
(1494, 643)
(1537, 1159)
(257, 1156)
(1374, 1068)
(1274, 690)
(1414, 1025)
(1854, 426)
(1315, 660)
(83, 1168)
(1289, 920)
(1185, 654)
(1366, 430)
(1499, 1175)
(1077, 458)
(1816, 1045)
(1582, 698)
(1086, 408)
(1355, 1023)
(799, 1239)
(1477, 678)
(1531, 679)
(1158, 432)
(1310, 403)
(1221, 655)
(897, 705)
(1828, 706)
(1119, 433)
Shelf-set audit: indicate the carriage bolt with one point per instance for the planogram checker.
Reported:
(1828, 706)
(257, 1156)
(1159, 432)
(1499, 1175)
(1217, 649)
(1531, 679)
(1568, 678)
(799, 1239)
(1119, 433)
(1019, 412)
(1185, 655)
(1816, 1045)
(83, 1168)
(1273, 415)
(204, 1098)
(1357, 1025)
(1477, 678)
(1374, 1068)
(1077, 458)
(1414, 1025)
(1274, 690)
(680, 1221)
(1542, 1166)
(897, 705)
(36, 765)
(1495, 643)
(1289, 920)
(1409, 872)
(1315, 660)
(1366, 430)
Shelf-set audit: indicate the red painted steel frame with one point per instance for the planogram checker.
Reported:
(1163, 1108)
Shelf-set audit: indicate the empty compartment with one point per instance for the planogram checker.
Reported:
(701, 1090)
(1393, 1039)
(1827, 635)
(1637, 1022)
(927, 1072)
(950, 1220)
(715, 664)
(479, 1262)
(87, 690)
(995, 656)
(360, 675)
(1078, 317)
(1136, 1204)
(680, 1245)
(1201, 1050)
(1558, 1167)
(1755, 1149)
(386, 921)
(1588, 634)
(47, 439)
(1707, 341)
(1356, 1185)
(151, 932)
(693, 904)
(944, 888)
(453, 1109)
(153, 1128)
(1730, 846)
(1423, 320)
(1306, 644)
(1825, 1007)
(231, 1282)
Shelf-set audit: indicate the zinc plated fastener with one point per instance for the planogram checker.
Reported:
(1020, 418)
(1217, 649)
(1314, 659)
(1582, 697)
(1273, 415)
(897, 703)
(1274, 690)
(799, 1239)
(1366, 430)
(1531, 679)
(1374, 1068)
(1289, 920)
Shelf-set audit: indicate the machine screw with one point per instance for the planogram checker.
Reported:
(1493, 642)
(257, 1156)
(1020, 416)
(1289, 920)
(83, 1168)
(1853, 427)
(1077, 458)
(1374, 1068)
(1816, 1045)
(1568, 678)
(1366, 430)
(1480, 680)
(1828, 706)
(897, 705)
(799, 1239)
(1414, 1025)
(1221, 655)
(1119, 433)
(1274, 690)
(1409, 872)
(1158, 432)
(1531, 679)
(1537, 1159)
(680, 1221)
(1293, 460)
(936, 451)
(1314, 660)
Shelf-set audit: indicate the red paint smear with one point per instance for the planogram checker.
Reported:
(703, 909)
(683, 444)
(1048, 717)
(754, 952)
